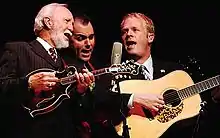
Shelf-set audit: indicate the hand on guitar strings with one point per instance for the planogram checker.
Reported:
(84, 80)
(152, 102)
(42, 81)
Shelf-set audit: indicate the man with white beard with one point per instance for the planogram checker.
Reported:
(22, 83)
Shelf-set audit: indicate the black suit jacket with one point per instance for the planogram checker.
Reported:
(161, 68)
(19, 59)
(108, 104)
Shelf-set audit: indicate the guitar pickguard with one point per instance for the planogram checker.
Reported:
(167, 113)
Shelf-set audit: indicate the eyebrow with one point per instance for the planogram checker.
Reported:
(83, 34)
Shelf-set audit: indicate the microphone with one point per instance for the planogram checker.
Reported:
(116, 53)
(115, 60)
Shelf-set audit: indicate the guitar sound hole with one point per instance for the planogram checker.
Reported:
(173, 106)
(171, 98)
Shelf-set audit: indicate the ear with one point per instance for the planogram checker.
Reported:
(47, 22)
(150, 37)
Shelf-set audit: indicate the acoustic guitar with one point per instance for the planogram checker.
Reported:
(47, 101)
(182, 101)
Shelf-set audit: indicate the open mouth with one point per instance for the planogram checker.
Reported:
(86, 52)
(130, 43)
(68, 33)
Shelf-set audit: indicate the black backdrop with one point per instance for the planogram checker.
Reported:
(185, 31)
(182, 29)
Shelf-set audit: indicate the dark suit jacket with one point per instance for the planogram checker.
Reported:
(108, 104)
(160, 69)
(105, 105)
(19, 59)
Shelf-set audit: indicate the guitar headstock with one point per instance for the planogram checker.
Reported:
(126, 67)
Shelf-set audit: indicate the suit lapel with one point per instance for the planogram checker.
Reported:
(159, 69)
(40, 51)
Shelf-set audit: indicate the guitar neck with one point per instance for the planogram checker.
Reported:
(100, 71)
(199, 87)
(71, 79)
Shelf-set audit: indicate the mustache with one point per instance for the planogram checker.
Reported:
(68, 33)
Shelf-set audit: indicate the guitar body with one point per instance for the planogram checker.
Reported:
(46, 101)
(143, 125)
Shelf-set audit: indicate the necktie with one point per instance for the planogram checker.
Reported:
(53, 54)
(145, 72)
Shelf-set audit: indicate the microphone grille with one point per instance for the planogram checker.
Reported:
(116, 53)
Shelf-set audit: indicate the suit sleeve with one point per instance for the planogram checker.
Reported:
(105, 98)
(13, 88)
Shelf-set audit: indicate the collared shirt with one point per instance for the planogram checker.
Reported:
(46, 45)
(149, 65)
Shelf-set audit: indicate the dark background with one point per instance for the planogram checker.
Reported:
(183, 29)
(186, 32)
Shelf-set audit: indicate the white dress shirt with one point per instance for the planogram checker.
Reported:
(45, 45)
(149, 65)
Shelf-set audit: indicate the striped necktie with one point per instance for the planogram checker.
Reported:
(145, 72)
(53, 54)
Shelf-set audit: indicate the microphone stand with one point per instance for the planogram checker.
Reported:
(201, 112)
(125, 132)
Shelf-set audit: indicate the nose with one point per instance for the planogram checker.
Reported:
(87, 41)
(130, 32)
(87, 46)
(70, 26)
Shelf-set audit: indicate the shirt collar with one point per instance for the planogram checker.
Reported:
(149, 65)
(46, 45)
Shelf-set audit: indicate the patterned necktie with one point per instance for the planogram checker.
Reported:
(145, 72)
(53, 54)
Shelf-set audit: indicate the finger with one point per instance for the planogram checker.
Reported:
(77, 76)
(91, 76)
(154, 113)
(47, 88)
(161, 102)
(42, 74)
(86, 77)
(51, 84)
(85, 70)
(43, 87)
(81, 78)
(50, 78)
(160, 97)
(158, 105)
(154, 109)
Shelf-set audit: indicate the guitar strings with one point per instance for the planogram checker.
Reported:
(173, 97)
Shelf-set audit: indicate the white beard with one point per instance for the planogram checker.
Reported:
(59, 40)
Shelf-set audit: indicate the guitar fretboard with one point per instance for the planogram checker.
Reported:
(100, 71)
(72, 78)
(199, 87)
